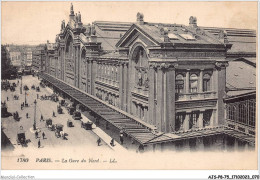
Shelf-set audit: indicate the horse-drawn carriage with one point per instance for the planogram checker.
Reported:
(54, 97)
(69, 123)
(25, 87)
(21, 139)
(59, 109)
(49, 124)
(12, 88)
(59, 131)
(77, 115)
(16, 97)
(62, 102)
(38, 89)
(71, 110)
(16, 116)
(86, 123)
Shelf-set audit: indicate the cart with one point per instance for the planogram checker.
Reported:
(38, 89)
(71, 110)
(76, 115)
(59, 130)
(69, 123)
(62, 102)
(21, 140)
(48, 123)
(25, 87)
(59, 109)
(16, 116)
(86, 123)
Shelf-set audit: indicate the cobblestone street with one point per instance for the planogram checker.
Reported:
(77, 136)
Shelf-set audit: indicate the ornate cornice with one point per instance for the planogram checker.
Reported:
(220, 65)
(163, 65)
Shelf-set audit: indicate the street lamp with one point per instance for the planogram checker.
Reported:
(34, 123)
(25, 102)
(21, 89)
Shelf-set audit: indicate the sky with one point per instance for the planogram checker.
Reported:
(36, 22)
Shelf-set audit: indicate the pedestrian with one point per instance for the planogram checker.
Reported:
(43, 135)
(112, 142)
(7, 98)
(98, 141)
(21, 107)
(53, 114)
(27, 115)
(36, 134)
(39, 143)
(37, 96)
(121, 138)
(41, 118)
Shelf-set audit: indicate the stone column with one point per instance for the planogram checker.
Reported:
(170, 100)
(200, 120)
(201, 81)
(159, 107)
(126, 103)
(187, 82)
(199, 144)
(121, 86)
(186, 121)
(94, 74)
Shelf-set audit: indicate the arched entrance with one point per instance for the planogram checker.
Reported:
(69, 63)
(139, 82)
(83, 71)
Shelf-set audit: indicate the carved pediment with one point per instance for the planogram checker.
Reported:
(136, 33)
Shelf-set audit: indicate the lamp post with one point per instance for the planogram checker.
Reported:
(21, 88)
(34, 123)
(25, 101)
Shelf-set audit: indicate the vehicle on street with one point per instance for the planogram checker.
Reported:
(38, 89)
(62, 102)
(21, 139)
(16, 116)
(48, 123)
(86, 123)
(71, 110)
(69, 123)
(59, 109)
(59, 130)
(25, 87)
(76, 115)
(33, 87)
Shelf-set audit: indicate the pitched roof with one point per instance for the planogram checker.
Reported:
(240, 75)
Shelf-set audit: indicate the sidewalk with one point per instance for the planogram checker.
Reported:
(99, 132)
(106, 138)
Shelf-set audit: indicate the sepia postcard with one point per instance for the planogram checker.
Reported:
(129, 85)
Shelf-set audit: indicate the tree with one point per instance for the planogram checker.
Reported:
(7, 69)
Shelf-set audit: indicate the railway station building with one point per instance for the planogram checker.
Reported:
(170, 78)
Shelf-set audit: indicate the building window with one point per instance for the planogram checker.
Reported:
(193, 83)
(252, 107)
(179, 84)
(231, 112)
(242, 113)
(179, 121)
(206, 82)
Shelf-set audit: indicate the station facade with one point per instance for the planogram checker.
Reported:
(169, 75)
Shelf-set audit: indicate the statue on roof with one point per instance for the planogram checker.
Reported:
(93, 30)
(71, 9)
(79, 17)
(140, 17)
(76, 17)
(193, 21)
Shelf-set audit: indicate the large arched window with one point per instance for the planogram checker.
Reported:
(193, 83)
(140, 59)
(206, 82)
(179, 83)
